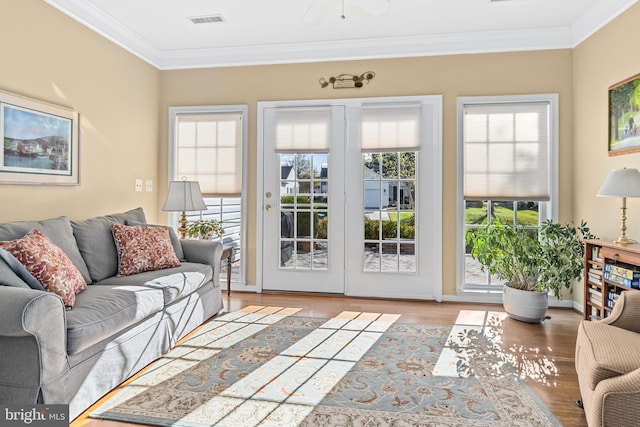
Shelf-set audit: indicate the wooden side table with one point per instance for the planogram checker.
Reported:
(227, 253)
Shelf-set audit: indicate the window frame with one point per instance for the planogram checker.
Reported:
(243, 110)
(549, 211)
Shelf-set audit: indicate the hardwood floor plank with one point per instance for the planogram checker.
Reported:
(543, 354)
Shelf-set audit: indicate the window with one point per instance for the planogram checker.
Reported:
(206, 144)
(507, 170)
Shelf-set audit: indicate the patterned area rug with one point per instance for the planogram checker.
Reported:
(254, 368)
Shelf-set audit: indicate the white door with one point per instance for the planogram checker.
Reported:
(303, 199)
(351, 197)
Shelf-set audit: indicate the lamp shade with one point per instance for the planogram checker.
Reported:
(184, 196)
(621, 183)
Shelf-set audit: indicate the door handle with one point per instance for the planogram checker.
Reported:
(268, 208)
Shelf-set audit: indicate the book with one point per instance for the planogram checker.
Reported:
(622, 281)
(594, 278)
(597, 271)
(622, 271)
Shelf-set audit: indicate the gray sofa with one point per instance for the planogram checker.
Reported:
(118, 324)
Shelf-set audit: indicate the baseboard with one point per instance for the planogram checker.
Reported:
(496, 298)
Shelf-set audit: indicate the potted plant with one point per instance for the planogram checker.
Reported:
(533, 264)
(205, 229)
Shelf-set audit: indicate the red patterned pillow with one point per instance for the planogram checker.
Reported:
(48, 264)
(143, 248)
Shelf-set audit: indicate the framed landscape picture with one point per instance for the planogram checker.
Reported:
(40, 142)
(624, 103)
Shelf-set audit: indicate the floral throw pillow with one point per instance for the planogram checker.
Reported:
(143, 248)
(48, 264)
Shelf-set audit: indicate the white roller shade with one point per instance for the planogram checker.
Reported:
(390, 128)
(209, 150)
(506, 151)
(300, 130)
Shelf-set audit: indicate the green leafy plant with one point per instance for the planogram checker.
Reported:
(550, 261)
(205, 229)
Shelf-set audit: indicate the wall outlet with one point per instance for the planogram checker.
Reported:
(149, 185)
(138, 185)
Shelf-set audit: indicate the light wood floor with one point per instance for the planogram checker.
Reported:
(544, 353)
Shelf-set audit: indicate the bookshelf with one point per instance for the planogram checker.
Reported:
(608, 270)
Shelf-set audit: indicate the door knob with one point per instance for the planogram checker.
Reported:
(268, 208)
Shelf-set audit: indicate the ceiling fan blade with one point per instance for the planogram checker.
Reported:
(373, 7)
(316, 11)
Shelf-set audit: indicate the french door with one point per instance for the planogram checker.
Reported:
(350, 197)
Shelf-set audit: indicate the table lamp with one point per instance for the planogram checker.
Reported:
(184, 196)
(622, 183)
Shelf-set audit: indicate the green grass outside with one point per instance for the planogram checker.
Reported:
(393, 216)
(505, 215)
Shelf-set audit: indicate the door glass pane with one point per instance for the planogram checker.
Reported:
(304, 219)
(389, 212)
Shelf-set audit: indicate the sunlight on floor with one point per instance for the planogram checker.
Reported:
(282, 391)
(455, 359)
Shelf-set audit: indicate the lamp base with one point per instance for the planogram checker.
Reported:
(624, 241)
(182, 230)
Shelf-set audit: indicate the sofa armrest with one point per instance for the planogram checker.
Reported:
(626, 312)
(615, 401)
(204, 252)
(33, 342)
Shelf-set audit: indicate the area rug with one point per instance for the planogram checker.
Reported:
(260, 367)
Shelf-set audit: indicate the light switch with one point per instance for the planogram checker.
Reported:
(149, 185)
(138, 185)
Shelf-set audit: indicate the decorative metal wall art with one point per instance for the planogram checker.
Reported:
(348, 81)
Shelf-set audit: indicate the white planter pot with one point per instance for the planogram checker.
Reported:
(525, 306)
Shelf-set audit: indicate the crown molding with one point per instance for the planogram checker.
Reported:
(597, 17)
(344, 50)
(98, 21)
(359, 49)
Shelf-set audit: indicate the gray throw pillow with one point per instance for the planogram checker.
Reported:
(175, 240)
(20, 270)
(9, 278)
(96, 244)
(58, 230)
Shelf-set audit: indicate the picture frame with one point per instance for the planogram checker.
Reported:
(624, 117)
(40, 142)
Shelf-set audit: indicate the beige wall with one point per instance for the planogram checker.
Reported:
(49, 56)
(451, 76)
(606, 58)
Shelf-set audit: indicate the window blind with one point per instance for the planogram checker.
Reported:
(390, 128)
(301, 130)
(506, 151)
(209, 150)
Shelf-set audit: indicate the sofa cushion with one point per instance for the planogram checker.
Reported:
(95, 242)
(175, 240)
(48, 264)
(600, 354)
(142, 248)
(176, 286)
(103, 311)
(156, 279)
(58, 230)
(20, 270)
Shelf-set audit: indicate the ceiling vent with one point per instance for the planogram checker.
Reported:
(208, 19)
